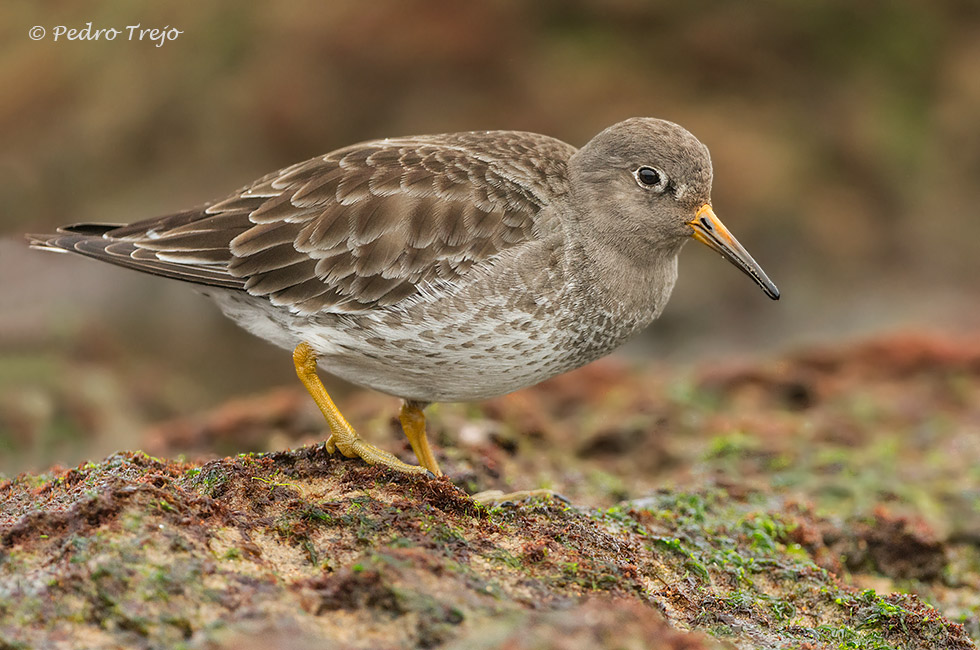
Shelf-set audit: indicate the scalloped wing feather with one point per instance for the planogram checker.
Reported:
(365, 226)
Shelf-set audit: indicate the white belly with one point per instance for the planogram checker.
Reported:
(467, 361)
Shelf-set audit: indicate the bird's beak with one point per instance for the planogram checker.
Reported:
(710, 231)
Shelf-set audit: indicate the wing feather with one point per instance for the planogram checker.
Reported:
(365, 226)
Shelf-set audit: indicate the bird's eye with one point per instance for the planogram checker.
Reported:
(650, 178)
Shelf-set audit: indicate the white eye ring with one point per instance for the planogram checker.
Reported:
(651, 178)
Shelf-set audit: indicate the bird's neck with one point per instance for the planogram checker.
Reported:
(622, 271)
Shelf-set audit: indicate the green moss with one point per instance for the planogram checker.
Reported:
(311, 552)
(165, 506)
(588, 575)
(210, 480)
(275, 481)
(767, 533)
(731, 445)
(232, 554)
(402, 542)
(316, 515)
(444, 533)
(504, 557)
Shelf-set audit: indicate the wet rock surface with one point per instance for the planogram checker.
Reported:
(826, 499)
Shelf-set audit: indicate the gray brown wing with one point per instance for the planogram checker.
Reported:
(365, 226)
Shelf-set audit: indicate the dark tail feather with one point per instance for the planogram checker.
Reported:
(59, 244)
(88, 229)
(88, 239)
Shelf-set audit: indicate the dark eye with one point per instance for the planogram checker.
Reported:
(648, 175)
(651, 178)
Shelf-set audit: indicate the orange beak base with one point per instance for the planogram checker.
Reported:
(710, 231)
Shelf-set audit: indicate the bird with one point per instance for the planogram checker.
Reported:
(441, 268)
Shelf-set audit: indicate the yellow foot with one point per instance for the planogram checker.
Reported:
(356, 447)
(498, 497)
(342, 434)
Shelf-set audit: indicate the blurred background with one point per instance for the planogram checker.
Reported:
(845, 138)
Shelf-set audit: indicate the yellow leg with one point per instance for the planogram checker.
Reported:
(413, 424)
(342, 434)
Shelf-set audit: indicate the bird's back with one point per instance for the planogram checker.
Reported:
(367, 226)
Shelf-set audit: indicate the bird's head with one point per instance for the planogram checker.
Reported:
(656, 177)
